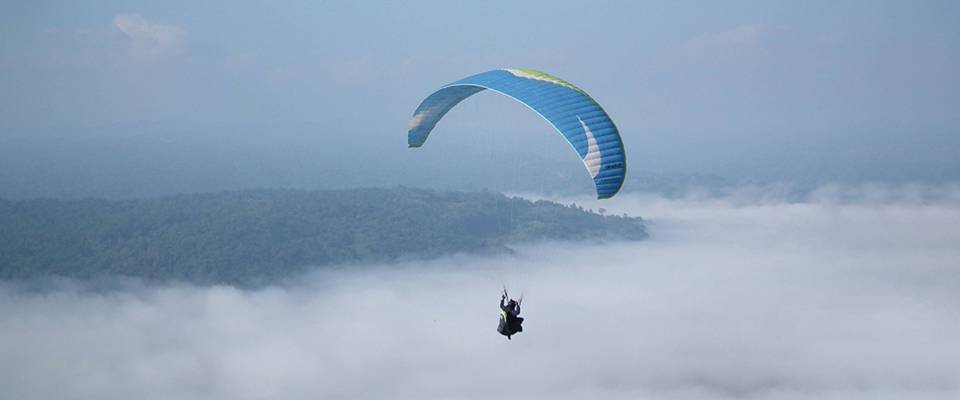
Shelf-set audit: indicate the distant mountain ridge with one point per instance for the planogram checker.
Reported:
(254, 237)
(163, 161)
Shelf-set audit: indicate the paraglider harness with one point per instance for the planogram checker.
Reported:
(510, 320)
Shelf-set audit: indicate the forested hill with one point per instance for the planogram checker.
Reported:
(256, 237)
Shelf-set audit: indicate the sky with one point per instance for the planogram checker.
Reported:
(826, 90)
(850, 294)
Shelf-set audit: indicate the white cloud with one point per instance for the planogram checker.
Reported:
(771, 300)
(743, 41)
(149, 39)
(746, 34)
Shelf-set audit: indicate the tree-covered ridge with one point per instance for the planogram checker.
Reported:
(252, 237)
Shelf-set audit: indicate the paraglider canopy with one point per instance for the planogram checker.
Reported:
(571, 111)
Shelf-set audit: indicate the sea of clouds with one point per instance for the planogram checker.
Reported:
(852, 292)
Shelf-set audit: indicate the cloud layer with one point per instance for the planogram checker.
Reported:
(730, 299)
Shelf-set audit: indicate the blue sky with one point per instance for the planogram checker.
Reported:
(732, 87)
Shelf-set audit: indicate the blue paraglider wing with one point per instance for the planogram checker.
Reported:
(570, 110)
